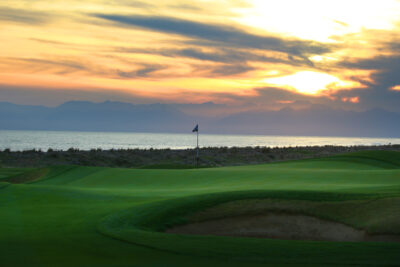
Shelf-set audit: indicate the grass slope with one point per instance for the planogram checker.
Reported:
(93, 216)
(7, 172)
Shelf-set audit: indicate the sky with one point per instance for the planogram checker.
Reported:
(255, 54)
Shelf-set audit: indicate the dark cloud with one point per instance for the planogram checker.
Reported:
(234, 61)
(395, 46)
(217, 34)
(62, 66)
(387, 69)
(208, 56)
(186, 7)
(143, 72)
(221, 55)
(386, 75)
(23, 16)
(228, 70)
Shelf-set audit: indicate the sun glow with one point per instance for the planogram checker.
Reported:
(309, 82)
(319, 20)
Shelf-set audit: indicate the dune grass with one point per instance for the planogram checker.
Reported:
(94, 216)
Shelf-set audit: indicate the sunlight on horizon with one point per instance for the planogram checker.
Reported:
(310, 82)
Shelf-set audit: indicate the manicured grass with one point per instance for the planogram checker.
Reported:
(93, 216)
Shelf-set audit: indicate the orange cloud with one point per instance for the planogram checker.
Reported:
(395, 88)
(285, 102)
(353, 100)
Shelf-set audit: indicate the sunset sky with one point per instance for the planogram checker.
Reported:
(256, 53)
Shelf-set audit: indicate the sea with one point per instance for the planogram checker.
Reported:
(60, 140)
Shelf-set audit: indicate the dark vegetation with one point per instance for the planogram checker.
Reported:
(173, 159)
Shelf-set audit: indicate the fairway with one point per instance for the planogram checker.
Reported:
(95, 216)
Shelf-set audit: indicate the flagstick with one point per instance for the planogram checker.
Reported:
(196, 129)
(197, 155)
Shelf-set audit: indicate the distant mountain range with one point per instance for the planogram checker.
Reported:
(180, 118)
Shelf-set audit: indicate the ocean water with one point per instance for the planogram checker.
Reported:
(24, 140)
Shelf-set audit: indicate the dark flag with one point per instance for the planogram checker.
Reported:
(196, 130)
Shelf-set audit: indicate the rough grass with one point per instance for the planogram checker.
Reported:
(95, 216)
(28, 176)
(7, 172)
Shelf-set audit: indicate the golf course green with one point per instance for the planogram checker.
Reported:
(97, 216)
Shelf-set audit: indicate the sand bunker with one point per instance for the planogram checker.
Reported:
(280, 226)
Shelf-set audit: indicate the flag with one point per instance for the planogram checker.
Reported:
(196, 129)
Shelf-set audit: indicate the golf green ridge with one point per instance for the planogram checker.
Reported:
(144, 225)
